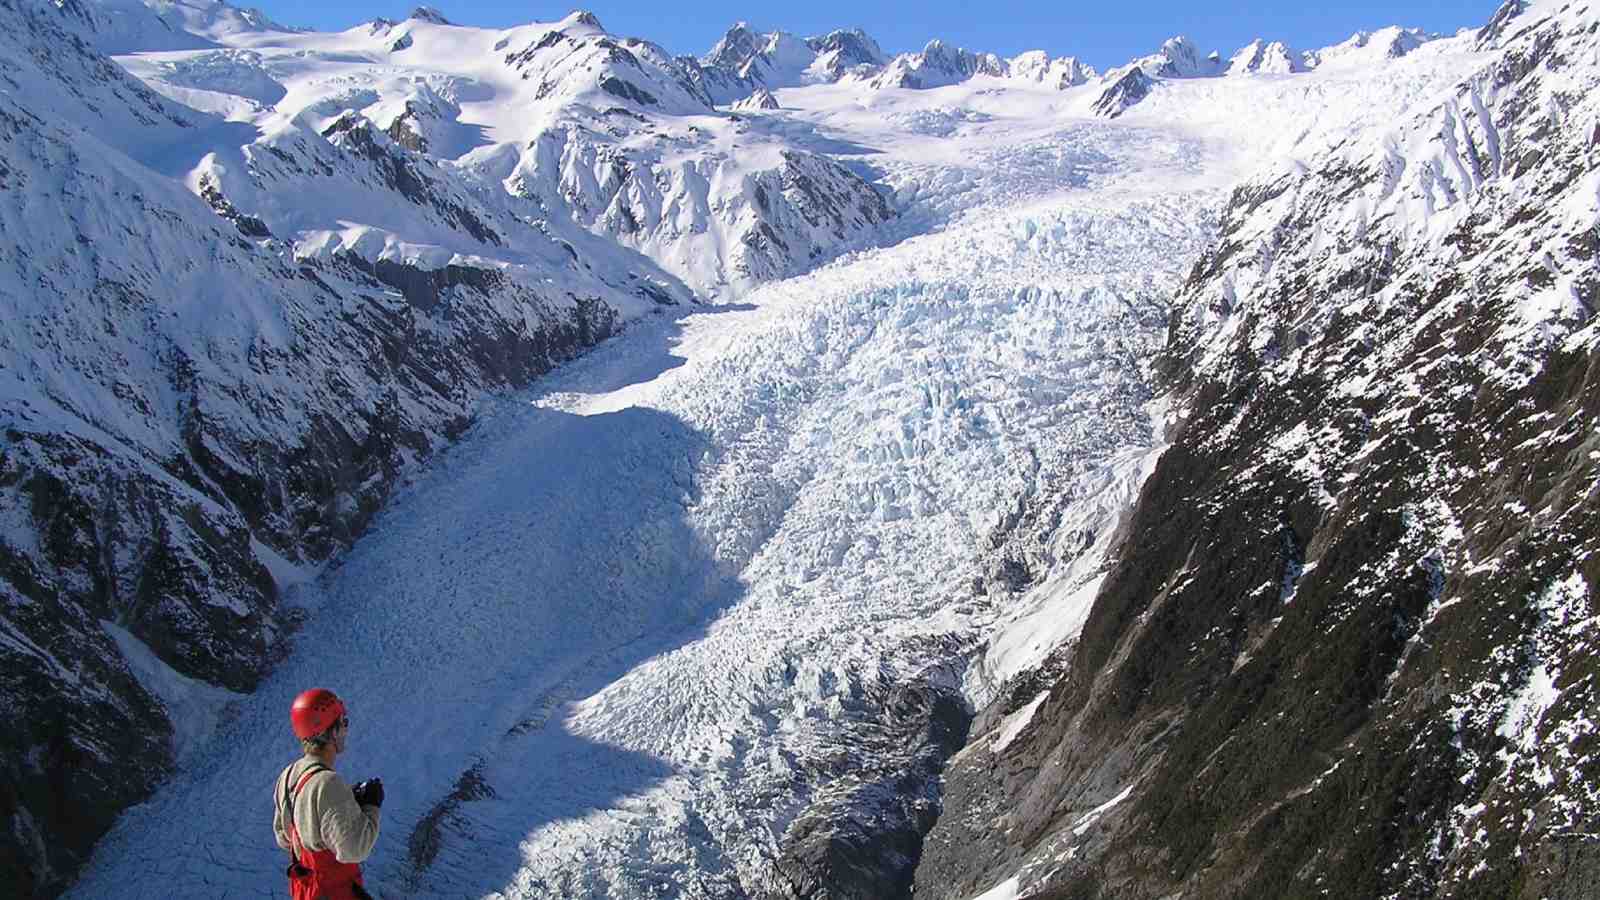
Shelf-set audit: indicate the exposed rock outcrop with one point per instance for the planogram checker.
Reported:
(862, 839)
(761, 99)
(1123, 94)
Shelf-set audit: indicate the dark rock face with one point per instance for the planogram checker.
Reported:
(1347, 647)
(1129, 89)
(1502, 19)
(861, 838)
(627, 91)
(68, 766)
(403, 131)
(829, 196)
(249, 226)
(737, 47)
(408, 174)
(429, 14)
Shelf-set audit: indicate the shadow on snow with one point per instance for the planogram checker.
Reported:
(532, 565)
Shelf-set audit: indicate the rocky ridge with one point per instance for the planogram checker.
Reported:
(745, 60)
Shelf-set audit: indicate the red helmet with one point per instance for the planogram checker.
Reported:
(314, 712)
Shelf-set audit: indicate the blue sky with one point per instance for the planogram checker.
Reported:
(1103, 34)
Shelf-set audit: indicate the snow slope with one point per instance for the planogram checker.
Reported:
(615, 643)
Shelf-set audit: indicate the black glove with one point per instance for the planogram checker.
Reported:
(369, 792)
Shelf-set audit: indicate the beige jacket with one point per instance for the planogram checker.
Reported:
(326, 814)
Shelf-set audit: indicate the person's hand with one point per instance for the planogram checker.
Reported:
(369, 792)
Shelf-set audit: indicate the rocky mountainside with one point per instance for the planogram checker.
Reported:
(1346, 646)
(188, 407)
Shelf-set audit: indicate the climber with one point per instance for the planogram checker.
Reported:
(327, 826)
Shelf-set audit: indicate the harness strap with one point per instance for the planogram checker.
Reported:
(297, 848)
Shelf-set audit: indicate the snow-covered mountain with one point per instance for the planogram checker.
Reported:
(746, 60)
(560, 126)
(1179, 58)
(791, 596)
(1260, 56)
(749, 60)
(1369, 48)
(190, 402)
(1346, 647)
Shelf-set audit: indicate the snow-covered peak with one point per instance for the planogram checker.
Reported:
(1132, 86)
(577, 63)
(1369, 48)
(735, 48)
(1259, 56)
(1518, 17)
(779, 59)
(938, 64)
(844, 50)
(581, 21)
(1497, 26)
(761, 99)
(582, 18)
(1060, 73)
(1180, 58)
(746, 58)
(430, 15)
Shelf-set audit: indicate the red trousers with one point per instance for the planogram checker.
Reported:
(320, 876)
